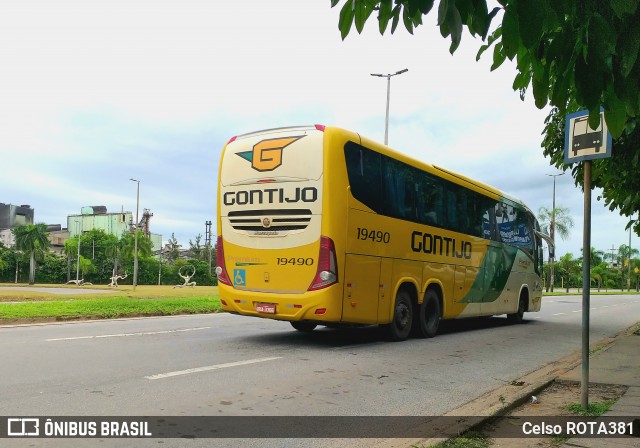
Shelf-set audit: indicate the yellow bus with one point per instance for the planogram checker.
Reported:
(322, 226)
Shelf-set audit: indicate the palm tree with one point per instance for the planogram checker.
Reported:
(113, 249)
(625, 253)
(33, 240)
(568, 266)
(555, 219)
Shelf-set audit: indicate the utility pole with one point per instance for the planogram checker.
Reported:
(207, 237)
(552, 229)
(135, 244)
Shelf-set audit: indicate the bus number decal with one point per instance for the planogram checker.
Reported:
(376, 236)
(295, 261)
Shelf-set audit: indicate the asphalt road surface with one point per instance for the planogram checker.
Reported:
(225, 365)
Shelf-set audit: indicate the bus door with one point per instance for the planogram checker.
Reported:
(362, 289)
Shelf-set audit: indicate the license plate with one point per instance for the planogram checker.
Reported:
(269, 308)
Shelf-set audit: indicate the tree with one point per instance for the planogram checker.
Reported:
(113, 250)
(568, 266)
(173, 249)
(625, 253)
(197, 250)
(561, 219)
(574, 54)
(33, 240)
(552, 220)
(585, 50)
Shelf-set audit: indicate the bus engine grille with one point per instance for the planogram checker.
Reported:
(279, 220)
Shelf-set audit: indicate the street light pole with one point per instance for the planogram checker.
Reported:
(135, 244)
(386, 121)
(552, 229)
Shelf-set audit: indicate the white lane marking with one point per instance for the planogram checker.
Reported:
(207, 368)
(120, 335)
(559, 314)
(577, 311)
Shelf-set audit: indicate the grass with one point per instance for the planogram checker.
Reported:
(147, 300)
(141, 292)
(107, 308)
(472, 439)
(595, 409)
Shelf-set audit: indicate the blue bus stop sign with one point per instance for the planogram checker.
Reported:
(581, 142)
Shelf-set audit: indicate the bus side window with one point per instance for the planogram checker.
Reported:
(452, 208)
(432, 200)
(363, 169)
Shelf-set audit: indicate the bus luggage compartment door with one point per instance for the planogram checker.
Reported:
(361, 289)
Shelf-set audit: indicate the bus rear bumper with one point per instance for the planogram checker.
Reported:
(321, 306)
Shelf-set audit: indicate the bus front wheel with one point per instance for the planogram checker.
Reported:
(400, 326)
(518, 316)
(303, 326)
(429, 315)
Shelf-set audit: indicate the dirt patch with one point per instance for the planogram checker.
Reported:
(552, 401)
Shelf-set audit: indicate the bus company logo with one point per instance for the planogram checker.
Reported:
(266, 155)
(266, 222)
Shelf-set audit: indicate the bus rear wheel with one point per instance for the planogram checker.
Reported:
(304, 326)
(400, 326)
(429, 315)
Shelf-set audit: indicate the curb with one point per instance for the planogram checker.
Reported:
(504, 399)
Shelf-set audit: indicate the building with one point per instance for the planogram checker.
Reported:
(97, 217)
(14, 215)
(57, 237)
(11, 216)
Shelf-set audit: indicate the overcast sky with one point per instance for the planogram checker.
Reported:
(93, 93)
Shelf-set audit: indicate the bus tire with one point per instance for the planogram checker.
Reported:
(429, 315)
(518, 316)
(303, 325)
(400, 327)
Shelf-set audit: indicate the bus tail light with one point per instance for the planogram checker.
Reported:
(221, 269)
(327, 273)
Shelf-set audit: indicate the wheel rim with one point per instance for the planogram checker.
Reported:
(403, 316)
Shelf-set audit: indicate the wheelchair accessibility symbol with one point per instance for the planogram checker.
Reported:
(239, 277)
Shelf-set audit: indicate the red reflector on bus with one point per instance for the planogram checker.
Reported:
(320, 127)
(321, 311)
(297, 306)
(221, 270)
(223, 302)
(232, 139)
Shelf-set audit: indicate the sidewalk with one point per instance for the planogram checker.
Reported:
(619, 364)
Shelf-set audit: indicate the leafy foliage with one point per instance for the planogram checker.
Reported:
(561, 219)
(573, 55)
(33, 240)
(585, 50)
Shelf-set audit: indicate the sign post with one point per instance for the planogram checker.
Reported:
(582, 143)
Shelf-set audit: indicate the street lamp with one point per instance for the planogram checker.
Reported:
(386, 121)
(552, 228)
(135, 244)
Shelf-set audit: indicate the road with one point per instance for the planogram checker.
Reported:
(225, 365)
